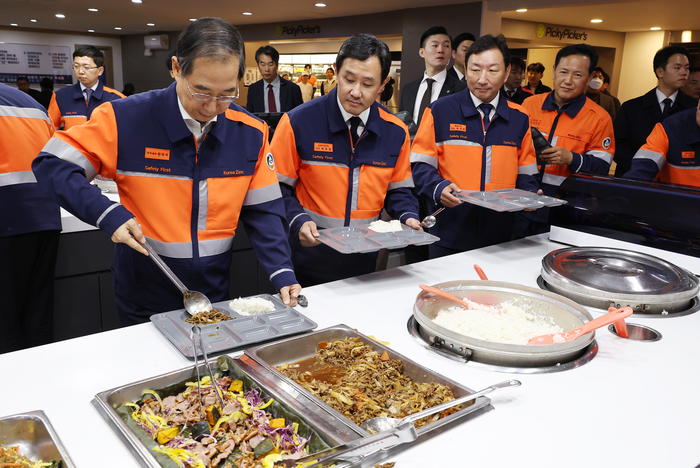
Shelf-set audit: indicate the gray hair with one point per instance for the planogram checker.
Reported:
(212, 38)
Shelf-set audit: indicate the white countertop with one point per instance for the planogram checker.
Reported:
(635, 404)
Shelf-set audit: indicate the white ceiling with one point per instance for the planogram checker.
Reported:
(173, 15)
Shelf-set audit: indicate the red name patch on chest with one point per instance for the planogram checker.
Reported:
(688, 154)
(155, 153)
(458, 128)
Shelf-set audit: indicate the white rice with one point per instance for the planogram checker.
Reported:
(384, 226)
(252, 306)
(513, 326)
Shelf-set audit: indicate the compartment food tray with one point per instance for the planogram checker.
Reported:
(508, 199)
(294, 349)
(242, 330)
(36, 438)
(361, 239)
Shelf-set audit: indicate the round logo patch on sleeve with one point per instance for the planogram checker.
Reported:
(606, 143)
(271, 161)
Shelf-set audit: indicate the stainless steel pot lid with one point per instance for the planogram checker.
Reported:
(605, 273)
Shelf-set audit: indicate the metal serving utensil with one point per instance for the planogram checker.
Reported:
(377, 425)
(197, 332)
(193, 337)
(194, 301)
(353, 452)
(429, 221)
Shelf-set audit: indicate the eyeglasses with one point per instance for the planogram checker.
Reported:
(208, 97)
(77, 67)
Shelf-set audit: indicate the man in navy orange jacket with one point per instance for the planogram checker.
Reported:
(672, 151)
(474, 140)
(73, 105)
(30, 224)
(345, 168)
(579, 131)
(181, 184)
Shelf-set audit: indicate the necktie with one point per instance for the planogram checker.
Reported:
(354, 125)
(510, 93)
(667, 108)
(486, 109)
(426, 98)
(464, 79)
(271, 105)
(88, 95)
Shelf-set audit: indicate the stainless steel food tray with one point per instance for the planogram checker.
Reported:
(35, 436)
(105, 402)
(243, 330)
(301, 347)
(361, 239)
(508, 199)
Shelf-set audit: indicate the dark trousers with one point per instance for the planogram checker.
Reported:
(132, 314)
(27, 264)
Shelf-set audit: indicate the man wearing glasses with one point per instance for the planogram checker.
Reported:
(73, 105)
(189, 165)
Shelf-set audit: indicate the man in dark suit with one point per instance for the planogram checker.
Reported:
(460, 46)
(435, 48)
(513, 86)
(272, 93)
(637, 117)
(535, 71)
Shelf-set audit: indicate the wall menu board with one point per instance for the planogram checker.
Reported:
(36, 62)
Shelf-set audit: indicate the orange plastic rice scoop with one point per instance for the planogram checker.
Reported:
(614, 315)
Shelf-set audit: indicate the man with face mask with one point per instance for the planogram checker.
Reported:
(594, 92)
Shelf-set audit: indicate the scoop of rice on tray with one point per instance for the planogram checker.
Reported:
(252, 305)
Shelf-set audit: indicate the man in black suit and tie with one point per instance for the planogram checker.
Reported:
(272, 93)
(435, 48)
(460, 46)
(637, 117)
(513, 87)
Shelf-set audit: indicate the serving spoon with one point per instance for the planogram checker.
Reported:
(614, 315)
(194, 301)
(466, 303)
(429, 221)
(379, 424)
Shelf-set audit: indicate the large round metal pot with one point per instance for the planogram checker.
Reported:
(602, 277)
(566, 313)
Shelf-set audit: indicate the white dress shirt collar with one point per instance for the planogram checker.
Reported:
(347, 115)
(478, 101)
(439, 78)
(198, 130)
(661, 96)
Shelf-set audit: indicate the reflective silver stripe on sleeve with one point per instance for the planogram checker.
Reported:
(604, 155)
(658, 158)
(457, 143)
(105, 212)
(74, 116)
(684, 168)
(324, 163)
(554, 140)
(552, 179)
(150, 174)
(328, 222)
(66, 152)
(203, 205)
(294, 219)
(262, 195)
(171, 249)
(24, 113)
(282, 270)
(529, 169)
(291, 181)
(355, 194)
(407, 183)
(424, 158)
(14, 178)
(215, 247)
(487, 172)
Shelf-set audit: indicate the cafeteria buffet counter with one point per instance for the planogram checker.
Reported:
(634, 404)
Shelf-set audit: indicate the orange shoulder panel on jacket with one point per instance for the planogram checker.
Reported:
(23, 138)
(113, 91)
(389, 117)
(247, 119)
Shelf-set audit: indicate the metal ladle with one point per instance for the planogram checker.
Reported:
(376, 425)
(194, 301)
(430, 220)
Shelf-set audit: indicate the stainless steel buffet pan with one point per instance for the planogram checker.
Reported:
(304, 346)
(330, 431)
(36, 438)
(565, 312)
